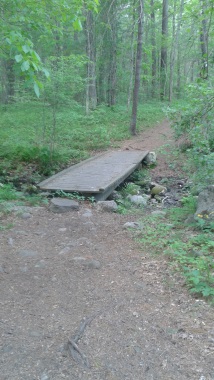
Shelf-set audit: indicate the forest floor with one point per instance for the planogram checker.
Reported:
(79, 284)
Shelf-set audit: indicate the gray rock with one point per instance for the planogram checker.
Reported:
(134, 225)
(61, 205)
(205, 204)
(138, 199)
(44, 377)
(87, 213)
(158, 213)
(10, 241)
(25, 215)
(151, 158)
(65, 250)
(109, 206)
(27, 253)
(93, 264)
(40, 264)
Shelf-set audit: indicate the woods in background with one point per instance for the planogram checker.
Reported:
(101, 41)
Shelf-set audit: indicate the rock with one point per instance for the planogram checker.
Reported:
(10, 241)
(40, 264)
(109, 206)
(65, 250)
(205, 204)
(93, 264)
(157, 189)
(158, 213)
(114, 196)
(134, 225)
(27, 253)
(25, 215)
(87, 213)
(44, 377)
(61, 205)
(150, 159)
(138, 199)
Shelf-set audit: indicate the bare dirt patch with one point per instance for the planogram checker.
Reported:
(58, 269)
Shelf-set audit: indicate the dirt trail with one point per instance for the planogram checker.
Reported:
(56, 269)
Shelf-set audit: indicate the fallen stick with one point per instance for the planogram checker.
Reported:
(75, 352)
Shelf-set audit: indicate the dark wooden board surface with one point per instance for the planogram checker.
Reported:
(97, 174)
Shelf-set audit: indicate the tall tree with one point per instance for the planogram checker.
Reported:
(91, 92)
(163, 62)
(137, 68)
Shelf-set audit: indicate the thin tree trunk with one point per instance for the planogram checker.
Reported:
(163, 68)
(112, 76)
(175, 43)
(91, 92)
(153, 42)
(137, 68)
(132, 58)
(204, 42)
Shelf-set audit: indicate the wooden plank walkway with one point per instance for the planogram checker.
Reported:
(97, 176)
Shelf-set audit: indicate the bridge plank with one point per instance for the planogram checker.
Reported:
(98, 175)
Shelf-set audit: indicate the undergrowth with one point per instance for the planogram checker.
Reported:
(190, 249)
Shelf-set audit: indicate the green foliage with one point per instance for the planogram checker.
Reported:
(190, 251)
(8, 193)
(195, 124)
(130, 188)
(51, 135)
(23, 19)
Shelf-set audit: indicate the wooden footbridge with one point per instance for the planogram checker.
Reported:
(98, 176)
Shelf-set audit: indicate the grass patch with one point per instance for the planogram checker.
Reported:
(33, 133)
(190, 250)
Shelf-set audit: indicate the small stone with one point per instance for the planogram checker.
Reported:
(87, 213)
(93, 264)
(44, 377)
(157, 189)
(40, 264)
(62, 229)
(135, 225)
(138, 199)
(65, 250)
(150, 159)
(109, 206)
(61, 205)
(25, 215)
(10, 241)
(27, 253)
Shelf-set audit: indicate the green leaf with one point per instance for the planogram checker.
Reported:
(46, 72)
(26, 48)
(77, 25)
(25, 66)
(36, 89)
(18, 58)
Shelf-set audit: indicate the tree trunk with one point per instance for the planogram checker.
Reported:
(137, 68)
(153, 42)
(132, 59)
(91, 92)
(112, 76)
(7, 81)
(163, 63)
(204, 42)
(175, 44)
